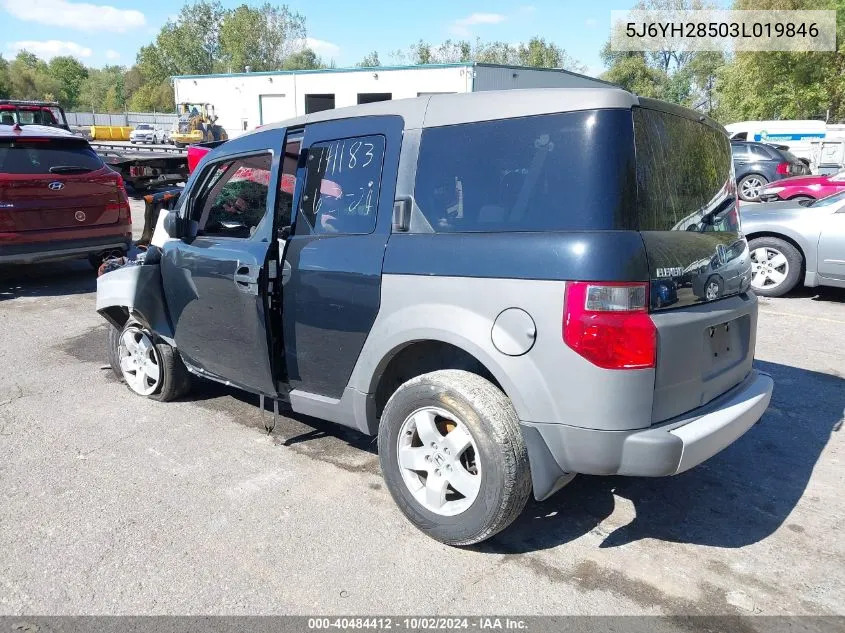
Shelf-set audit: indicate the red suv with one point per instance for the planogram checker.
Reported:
(58, 200)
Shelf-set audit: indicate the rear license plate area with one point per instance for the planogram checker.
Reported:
(725, 345)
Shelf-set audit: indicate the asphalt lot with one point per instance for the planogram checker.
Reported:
(112, 504)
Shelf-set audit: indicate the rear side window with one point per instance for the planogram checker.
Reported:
(684, 174)
(569, 171)
(45, 157)
(761, 152)
(342, 185)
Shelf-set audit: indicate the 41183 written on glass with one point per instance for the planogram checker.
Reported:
(349, 175)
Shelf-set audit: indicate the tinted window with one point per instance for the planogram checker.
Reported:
(684, 174)
(37, 157)
(541, 173)
(761, 152)
(233, 199)
(788, 156)
(342, 183)
(739, 151)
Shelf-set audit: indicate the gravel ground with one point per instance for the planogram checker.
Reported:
(112, 504)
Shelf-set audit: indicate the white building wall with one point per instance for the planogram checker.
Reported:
(237, 98)
(505, 78)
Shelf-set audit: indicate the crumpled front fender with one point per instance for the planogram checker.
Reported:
(135, 291)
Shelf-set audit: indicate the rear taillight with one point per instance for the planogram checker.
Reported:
(608, 324)
(783, 169)
(122, 204)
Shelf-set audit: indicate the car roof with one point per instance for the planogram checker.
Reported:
(452, 109)
(35, 131)
(24, 102)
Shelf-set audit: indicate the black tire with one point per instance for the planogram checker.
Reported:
(801, 198)
(175, 379)
(718, 286)
(794, 259)
(493, 424)
(764, 181)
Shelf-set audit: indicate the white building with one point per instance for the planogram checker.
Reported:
(245, 100)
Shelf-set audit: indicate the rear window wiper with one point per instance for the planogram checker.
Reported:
(69, 169)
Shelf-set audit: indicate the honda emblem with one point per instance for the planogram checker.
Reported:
(56, 185)
(80, 216)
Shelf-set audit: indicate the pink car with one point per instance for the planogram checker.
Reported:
(804, 187)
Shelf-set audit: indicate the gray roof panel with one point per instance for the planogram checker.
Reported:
(506, 104)
(451, 109)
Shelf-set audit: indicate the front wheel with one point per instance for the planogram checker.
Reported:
(148, 366)
(775, 266)
(750, 187)
(453, 457)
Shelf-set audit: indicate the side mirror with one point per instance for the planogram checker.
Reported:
(173, 225)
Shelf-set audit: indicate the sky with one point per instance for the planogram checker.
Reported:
(112, 33)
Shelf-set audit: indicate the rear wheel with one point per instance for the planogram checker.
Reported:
(750, 187)
(453, 457)
(775, 266)
(148, 366)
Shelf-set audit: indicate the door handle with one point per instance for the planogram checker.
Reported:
(286, 272)
(246, 278)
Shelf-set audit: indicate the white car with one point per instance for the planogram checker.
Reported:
(144, 133)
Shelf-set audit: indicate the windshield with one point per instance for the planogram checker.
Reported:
(144, 126)
(829, 201)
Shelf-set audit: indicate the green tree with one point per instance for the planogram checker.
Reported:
(152, 98)
(29, 78)
(261, 38)
(784, 85)
(103, 90)
(631, 71)
(306, 59)
(370, 61)
(69, 73)
(5, 86)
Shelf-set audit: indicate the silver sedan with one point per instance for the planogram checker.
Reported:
(796, 241)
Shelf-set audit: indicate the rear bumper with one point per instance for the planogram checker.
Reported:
(29, 253)
(558, 450)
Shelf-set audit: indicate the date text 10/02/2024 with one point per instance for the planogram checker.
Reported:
(484, 623)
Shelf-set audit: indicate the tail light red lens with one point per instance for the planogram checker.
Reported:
(122, 205)
(608, 324)
(783, 169)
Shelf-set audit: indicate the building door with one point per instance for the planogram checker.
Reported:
(271, 108)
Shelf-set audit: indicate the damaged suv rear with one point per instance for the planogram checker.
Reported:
(508, 288)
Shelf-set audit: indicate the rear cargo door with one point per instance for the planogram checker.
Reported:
(699, 263)
(56, 184)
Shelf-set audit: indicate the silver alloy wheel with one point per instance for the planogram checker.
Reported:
(711, 293)
(769, 268)
(139, 362)
(751, 187)
(439, 461)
